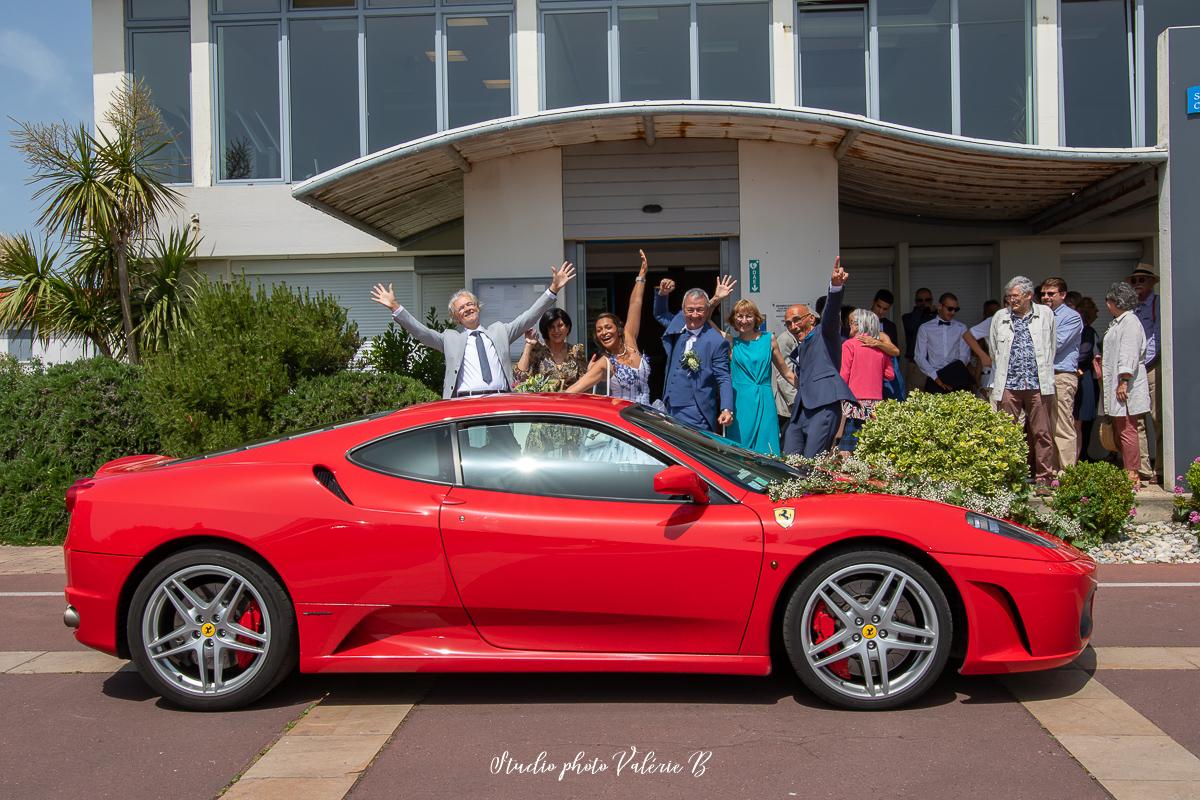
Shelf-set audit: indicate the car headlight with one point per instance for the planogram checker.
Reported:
(993, 525)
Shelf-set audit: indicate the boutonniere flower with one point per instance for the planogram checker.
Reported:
(691, 361)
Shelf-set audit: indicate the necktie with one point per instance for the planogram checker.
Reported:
(943, 322)
(485, 369)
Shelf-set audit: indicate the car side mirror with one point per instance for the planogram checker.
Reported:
(679, 480)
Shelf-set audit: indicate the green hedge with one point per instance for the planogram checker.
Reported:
(326, 399)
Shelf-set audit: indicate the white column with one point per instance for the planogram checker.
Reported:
(1047, 81)
(783, 53)
(528, 88)
(108, 54)
(202, 111)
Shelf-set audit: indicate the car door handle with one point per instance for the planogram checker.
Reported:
(453, 501)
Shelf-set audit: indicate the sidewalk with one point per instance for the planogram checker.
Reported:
(30, 560)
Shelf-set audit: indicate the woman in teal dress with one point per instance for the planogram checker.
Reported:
(755, 424)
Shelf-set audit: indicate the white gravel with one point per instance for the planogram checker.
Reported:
(1152, 543)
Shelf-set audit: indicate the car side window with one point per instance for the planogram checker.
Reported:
(423, 454)
(556, 458)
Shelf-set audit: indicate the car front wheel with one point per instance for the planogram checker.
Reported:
(868, 629)
(211, 630)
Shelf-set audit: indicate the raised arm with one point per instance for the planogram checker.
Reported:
(633, 314)
(524, 363)
(385, 296)
(562, 276)
(781, 363)
(831, 319)
(590, 378)
(661, 312)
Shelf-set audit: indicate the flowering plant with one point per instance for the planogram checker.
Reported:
(539, 383)
(1099, 496)
(1187, 509)
(690, 361)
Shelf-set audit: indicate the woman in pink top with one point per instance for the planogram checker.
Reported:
(864, 369)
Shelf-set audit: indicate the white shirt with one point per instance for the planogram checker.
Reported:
(938, 345)
(470, 376)
(981, 332)
(693, 335)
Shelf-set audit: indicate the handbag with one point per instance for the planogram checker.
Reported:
(1108, 439)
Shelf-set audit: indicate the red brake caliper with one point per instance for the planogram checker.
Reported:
(824, 626)
(251, 619)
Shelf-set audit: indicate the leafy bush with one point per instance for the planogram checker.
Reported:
(1187, 509)
(58, 424)
(396, 351)
(952, 437)
(216, 386)
(1099, 496)
(327, 399)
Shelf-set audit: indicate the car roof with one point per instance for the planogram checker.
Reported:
(586, 405)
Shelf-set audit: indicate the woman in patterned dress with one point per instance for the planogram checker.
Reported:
(559, 363)
(626, 368)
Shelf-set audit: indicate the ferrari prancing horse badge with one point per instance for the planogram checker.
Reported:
(785, 516)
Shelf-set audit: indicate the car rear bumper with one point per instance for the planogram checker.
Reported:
(94, 582)
(1023, 615)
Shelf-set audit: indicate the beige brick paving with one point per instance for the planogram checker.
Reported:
(30, 560)
(290, 788)
(71, 661)
(1147, 657)
(16, 658)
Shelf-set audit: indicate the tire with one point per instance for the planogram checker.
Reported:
(896, 641)
(211, 630)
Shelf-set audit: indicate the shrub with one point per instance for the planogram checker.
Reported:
(951, 437)
(396, 351)
(328, 399)
(1187, 509)
(58, 424)
(1099, 496)
(216, 387)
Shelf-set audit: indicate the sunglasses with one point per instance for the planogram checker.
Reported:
(951, 309)
(1140, 279)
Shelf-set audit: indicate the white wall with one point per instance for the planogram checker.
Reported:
(514, 216)
(1045, 69)
(108, 52)
(789, 209)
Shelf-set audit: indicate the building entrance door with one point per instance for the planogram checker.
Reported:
(607, 277)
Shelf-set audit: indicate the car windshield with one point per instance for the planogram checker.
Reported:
(747, 469)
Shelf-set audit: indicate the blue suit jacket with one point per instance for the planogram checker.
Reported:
(709, 386)
(818, 360)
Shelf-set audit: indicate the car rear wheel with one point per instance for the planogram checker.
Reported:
(868, 629)
(211, 630)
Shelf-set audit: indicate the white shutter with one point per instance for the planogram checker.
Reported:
(436, 287)
(352, 290)
(1091, 269)
(967, 280)
(864, 282)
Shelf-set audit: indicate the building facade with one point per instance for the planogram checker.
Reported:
(434, 144)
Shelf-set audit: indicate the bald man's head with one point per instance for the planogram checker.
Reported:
(799, 320)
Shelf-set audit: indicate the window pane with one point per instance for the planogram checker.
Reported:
(424, 454)
(324, 92)
(1160, 15)
(158, 9)
(991, 10)
(397, 3)
(992, 84)
(1095, 74)
(478, 72)
(323, 3)
(162, 60)
(576, 59)
(833, 49)
(401, 80)
(914, 12)
(914, 72)
(243, 6)
(735, 52)
(655, 53)
(553, 458)
(248, 101)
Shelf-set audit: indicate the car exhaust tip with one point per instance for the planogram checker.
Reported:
(71, 617)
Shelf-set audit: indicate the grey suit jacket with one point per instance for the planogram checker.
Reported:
(453, 342)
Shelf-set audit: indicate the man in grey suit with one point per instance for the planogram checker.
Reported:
(477, 359)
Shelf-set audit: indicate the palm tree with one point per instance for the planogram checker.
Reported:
(104, 187)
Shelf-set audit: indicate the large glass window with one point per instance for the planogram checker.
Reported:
(833, 59)
(655, 53)
(993, 69)
(479, 78)
(423, 454)
(243, 6)
(1158, 15)
(248, 143)
(158, 9)
(575, 65)
(161, 59)
(1096, 71)
(735, 52)
(914, 63)
(323, 59)
(401, 80)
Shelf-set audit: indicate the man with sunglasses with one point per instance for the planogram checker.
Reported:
(1068, 334)
(1022, 344)
(921, 313)
(1142, 279)
(941, 354)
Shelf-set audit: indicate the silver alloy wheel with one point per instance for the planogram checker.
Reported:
(885, 635)
(193, 632)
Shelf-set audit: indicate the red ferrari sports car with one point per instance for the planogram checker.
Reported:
(550, 533)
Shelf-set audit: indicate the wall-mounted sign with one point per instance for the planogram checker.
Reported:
(755, 276)
(1193, 93)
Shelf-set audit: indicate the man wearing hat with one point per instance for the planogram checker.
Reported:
(1149, 311)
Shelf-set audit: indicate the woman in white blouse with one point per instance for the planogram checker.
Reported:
(1123, 372)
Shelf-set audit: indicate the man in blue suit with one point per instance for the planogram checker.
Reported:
(697, 390)
(817, 360)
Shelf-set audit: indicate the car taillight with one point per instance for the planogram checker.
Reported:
(74, 490)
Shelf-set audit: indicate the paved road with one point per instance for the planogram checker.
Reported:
(99, 733)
